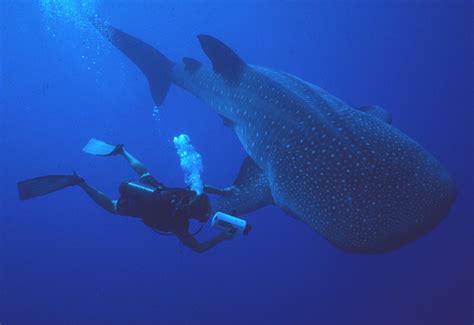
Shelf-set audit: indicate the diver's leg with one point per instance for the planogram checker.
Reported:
(99, 198)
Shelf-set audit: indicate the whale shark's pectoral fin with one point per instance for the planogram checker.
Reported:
(249, 192)
(377, 112)
(227, 122)
(156, 67)
(224, 61)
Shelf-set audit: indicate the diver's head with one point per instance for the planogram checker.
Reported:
(199, 208)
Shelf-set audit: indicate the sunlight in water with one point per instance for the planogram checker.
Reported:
(67, 21)
(68, 11)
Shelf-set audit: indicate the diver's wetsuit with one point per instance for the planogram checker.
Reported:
(162, 208)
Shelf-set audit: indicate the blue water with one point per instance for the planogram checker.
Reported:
(63, 260)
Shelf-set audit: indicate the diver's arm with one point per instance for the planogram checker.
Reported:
(216, 190)
(191, 242)
(137, 166)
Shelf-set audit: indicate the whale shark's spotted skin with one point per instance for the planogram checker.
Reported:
(347, 173)
(353, 178)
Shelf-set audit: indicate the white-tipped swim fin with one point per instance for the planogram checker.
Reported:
(99, 148)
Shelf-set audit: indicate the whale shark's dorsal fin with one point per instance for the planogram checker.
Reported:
(377, 112)
(224, 61)
(191, 64)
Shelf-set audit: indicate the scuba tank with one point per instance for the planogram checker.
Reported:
(163, 208)
(140, 198)
(137, 190)
(230, 224)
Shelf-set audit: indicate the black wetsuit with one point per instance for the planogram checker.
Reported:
(162, 208)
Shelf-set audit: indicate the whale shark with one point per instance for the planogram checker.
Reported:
(346, 172)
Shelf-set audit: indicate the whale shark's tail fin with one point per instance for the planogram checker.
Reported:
(156, 67)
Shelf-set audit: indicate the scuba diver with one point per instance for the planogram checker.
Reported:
(164, 209)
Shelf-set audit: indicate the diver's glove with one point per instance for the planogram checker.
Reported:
(225, 235)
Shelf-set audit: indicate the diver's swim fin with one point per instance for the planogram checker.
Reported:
(99, 148)
(43, 185)
(155, 66)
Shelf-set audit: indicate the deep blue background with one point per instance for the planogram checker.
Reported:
(63, 260)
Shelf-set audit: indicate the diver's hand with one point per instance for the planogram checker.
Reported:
(225, 235)
(118, 150)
